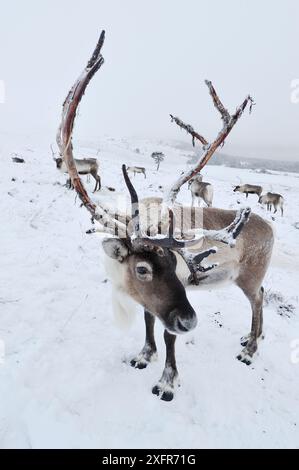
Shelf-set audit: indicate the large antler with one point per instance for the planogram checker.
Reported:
(108, 223)
(209, 149)
(228, 234)
(117, 224)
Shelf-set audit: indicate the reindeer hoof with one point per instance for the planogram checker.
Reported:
(245, 357)
(143, 360)
(163, 392)
(141, 364)
(165, 388)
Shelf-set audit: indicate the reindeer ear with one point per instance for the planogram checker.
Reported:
(115, 248)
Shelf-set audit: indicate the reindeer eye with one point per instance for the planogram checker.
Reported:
(141, 270)
(144, 271)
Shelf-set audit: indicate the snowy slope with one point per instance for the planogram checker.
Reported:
(65, 381)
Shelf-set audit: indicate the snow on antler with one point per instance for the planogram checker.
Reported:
(229, 234)
(190, 130)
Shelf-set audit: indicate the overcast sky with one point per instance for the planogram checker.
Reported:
(157, 55)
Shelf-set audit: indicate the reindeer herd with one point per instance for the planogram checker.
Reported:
(200, 190)
(153, 256)
(269, 199)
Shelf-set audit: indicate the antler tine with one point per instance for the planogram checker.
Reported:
(134, 203)
(171, 243)
(204, 254)
(229, 234)
(171, 224)
(194, 263)
(97, 52)
(240, 220)
(225, 116)
(167, 242)
(189, 129)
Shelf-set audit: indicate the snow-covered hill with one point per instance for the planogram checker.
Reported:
(65, 381)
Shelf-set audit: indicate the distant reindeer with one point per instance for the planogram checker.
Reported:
(85, 166)
(272, 199)
(136, 169)
(201, 190)
(249, 189)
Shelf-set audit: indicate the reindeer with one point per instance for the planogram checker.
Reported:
(249, 189)
(136, 169)
(272, 199)
(86, 166)
(154, 263)
(201, 190)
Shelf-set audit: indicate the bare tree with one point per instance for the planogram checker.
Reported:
(158, 157)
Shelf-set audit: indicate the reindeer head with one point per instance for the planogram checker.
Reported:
(263, 199)
(236, 188)
(148, 267)
(59, 162)
(197, 178)
(149, 277)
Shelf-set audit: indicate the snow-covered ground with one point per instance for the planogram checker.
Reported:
(64, 377)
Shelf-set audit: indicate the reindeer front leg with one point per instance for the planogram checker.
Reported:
(165, 388)
(149, 350)
(68, 184)
(250, 342)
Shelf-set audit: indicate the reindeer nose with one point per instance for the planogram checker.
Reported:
(184, 321)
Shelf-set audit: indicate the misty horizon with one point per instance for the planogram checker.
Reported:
(157, 57)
